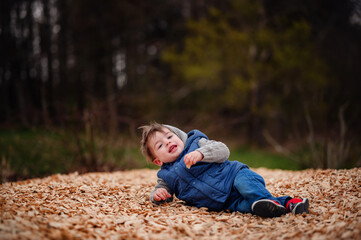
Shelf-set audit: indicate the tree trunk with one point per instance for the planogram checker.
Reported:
(47, 43)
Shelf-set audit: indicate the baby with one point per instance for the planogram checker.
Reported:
(197, 171)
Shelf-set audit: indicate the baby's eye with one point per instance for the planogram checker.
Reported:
(160, 145)
(170, 136)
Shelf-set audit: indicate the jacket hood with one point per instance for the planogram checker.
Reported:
(182, 135)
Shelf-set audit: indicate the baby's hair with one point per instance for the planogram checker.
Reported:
(149, 131)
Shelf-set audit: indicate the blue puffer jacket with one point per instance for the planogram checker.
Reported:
(204, 184)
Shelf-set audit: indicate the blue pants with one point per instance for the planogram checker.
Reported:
(251, 187)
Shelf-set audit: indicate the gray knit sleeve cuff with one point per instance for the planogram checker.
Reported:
(213, 151)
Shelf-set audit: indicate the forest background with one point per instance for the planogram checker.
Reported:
(277, 81)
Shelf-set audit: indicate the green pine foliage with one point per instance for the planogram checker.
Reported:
(234, 63)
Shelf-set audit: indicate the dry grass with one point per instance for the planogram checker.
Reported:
(115, 206)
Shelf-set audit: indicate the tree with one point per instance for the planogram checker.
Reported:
(249, 69)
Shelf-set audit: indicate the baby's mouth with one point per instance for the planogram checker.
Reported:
(172, 148)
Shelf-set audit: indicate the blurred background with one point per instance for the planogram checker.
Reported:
(278, 81)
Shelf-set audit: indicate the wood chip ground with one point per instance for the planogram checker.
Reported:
(116, 206)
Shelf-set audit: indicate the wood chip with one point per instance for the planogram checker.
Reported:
(116, 206)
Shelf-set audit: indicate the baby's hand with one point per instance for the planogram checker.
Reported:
(192, 158)
(161, 194)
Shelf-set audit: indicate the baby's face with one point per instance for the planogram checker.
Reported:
(165, 146)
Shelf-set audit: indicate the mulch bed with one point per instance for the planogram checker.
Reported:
(116, 206)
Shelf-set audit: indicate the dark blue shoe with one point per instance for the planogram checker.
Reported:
(298, 206)
(268, 208)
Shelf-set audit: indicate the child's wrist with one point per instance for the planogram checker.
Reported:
(201, 154)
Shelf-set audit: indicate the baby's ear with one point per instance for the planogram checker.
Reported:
(158, 162)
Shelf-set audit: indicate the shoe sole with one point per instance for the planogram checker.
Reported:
(301, 207)
(267, 208)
